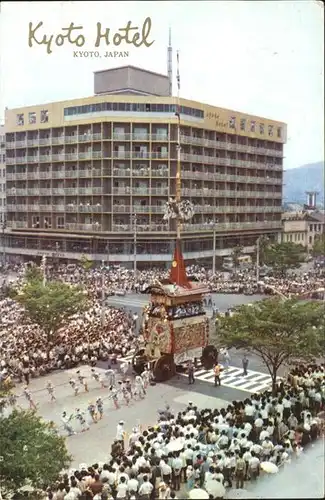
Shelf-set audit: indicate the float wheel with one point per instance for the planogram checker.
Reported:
(209, 357)
(164, 368)
(139, 361)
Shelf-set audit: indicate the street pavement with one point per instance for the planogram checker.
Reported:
(94, 445)
(232, 377)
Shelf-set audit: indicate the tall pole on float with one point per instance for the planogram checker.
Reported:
(179, 167)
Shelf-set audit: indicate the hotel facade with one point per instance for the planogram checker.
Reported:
(92, 176)
(2, 178)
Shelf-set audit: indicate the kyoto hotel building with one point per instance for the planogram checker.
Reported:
(91, 176)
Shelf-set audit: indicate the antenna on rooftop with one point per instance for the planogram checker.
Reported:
(170, 63)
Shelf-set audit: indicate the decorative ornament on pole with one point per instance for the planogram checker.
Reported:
(183, 210)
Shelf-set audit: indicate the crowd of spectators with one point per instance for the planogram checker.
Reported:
(214, 450)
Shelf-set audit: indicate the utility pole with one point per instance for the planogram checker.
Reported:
(134, 220)
(3, 228)
(258, 259)
(57, 248)
(103, 294)
(214, 250)
(43, 267)
(107, 254)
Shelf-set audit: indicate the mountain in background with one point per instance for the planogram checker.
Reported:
(301, 179)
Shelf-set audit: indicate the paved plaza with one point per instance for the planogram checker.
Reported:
(95, 444)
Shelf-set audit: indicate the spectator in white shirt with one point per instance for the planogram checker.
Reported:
(253, 466)
(166, 471)
(133, 483)
(267, 446)
(177, 465)
(249, 411)
(121, 488)
(145, 488)
(264, 433)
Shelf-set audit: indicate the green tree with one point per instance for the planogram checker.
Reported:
(86, 263)
(51, 305)
(6, 386)
(319, 246)
(31, 450)
(279, 331)
(33, 273)
(284, 256)
(236, 253)
(264, 243)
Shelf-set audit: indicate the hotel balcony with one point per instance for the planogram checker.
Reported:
(231, 226)
(17, 224)
(140, 154)
(37, 141)
(140, 191)
(138, 209)
(235, 209)
(128, 228)
(200, 141)
(228, 178)
(140, 137)
(83, 227)
(205, 192)
(54, 208)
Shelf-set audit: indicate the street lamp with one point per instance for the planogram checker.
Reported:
(258, 259)
(134, 224)
(258, 252)
(103, 294)
(3, 228)
(57, 248)
(214, 247)
(43, 267)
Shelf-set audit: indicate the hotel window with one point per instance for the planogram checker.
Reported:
(162, 131)
(253, 126)
(232, 122)
(35, 221)
(48, 222)
(261, 128)
(32, 118)
(20, 119)
(279, 132)
(243, 124)
(44, 116)
(60, 222)
(270, 130)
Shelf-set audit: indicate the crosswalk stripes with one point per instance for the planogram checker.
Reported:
(233, 377)
(127, 301)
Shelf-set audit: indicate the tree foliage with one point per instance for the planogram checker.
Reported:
(264, 243)
(278, 331)
(236, 253)
(33, 273)
(52, 304)
(86, 263)
(284, 256)
(31, 451)
(319, 246)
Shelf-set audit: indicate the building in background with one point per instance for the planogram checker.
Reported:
(2, 175)
(93, 175)
(302, 227)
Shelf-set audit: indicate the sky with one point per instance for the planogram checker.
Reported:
(263, 58)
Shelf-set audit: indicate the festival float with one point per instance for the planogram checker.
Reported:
(175, 327)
